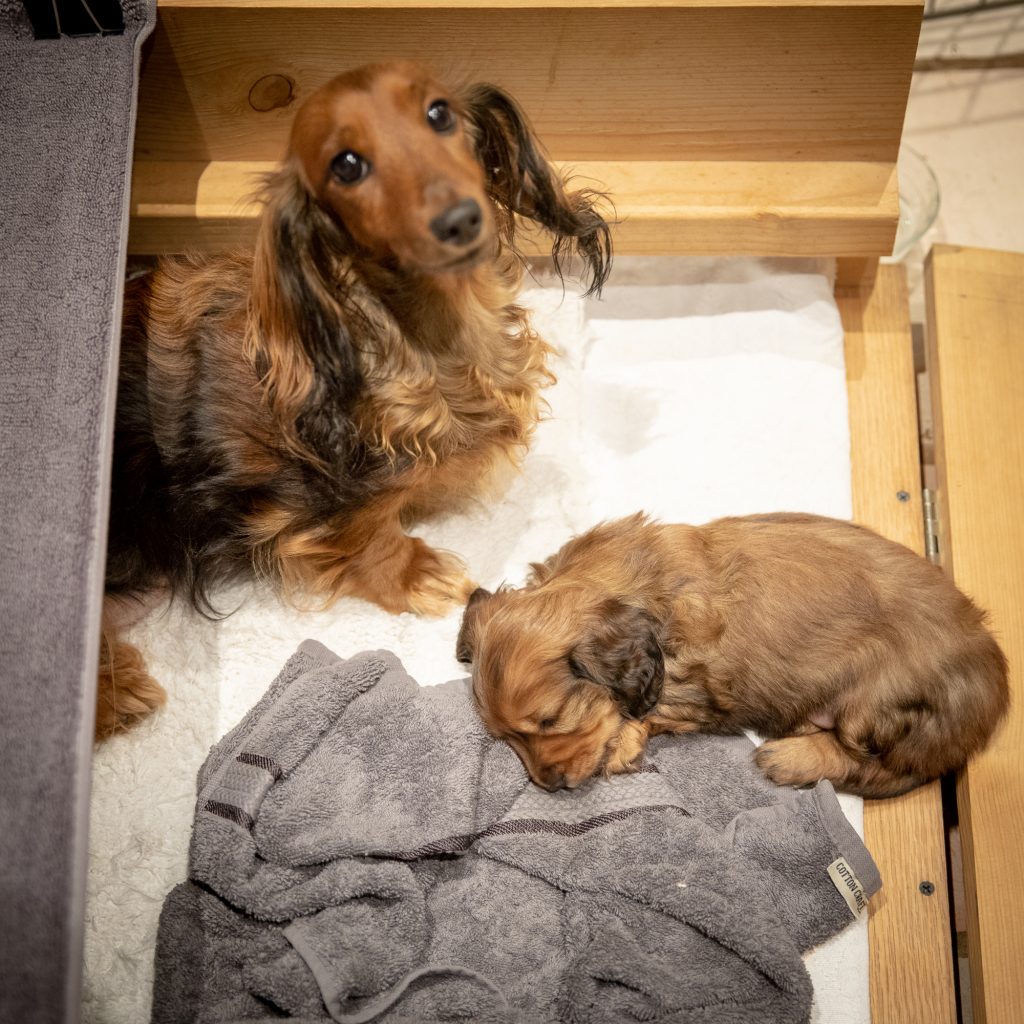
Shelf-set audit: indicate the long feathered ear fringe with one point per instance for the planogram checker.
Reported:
(520, 180)
(296, 336)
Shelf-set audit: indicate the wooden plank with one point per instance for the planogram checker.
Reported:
(664, 207)
(976, 370)
(909, 932)
(803, 83)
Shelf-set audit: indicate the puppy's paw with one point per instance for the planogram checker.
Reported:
(791, 761)
(629, 745)
(126, 692)
(435, 581)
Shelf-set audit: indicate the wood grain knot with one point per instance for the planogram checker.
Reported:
(270, 92)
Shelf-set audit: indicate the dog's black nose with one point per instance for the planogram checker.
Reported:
(553, 781)
(459, 224)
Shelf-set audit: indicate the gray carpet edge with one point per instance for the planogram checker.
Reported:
(62, 313)
(94, 596)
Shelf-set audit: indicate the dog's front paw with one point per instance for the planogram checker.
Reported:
(435, 581)
(126, 692)
(629, 745)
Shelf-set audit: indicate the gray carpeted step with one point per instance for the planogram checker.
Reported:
(67, 119)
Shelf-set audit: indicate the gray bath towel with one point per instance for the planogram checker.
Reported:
(364, 851)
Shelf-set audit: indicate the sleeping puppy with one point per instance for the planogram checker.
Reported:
(860, 660)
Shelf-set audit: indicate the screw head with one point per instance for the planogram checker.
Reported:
(903, 496)
(927, 888)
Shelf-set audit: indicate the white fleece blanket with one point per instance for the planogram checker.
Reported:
(696, 388)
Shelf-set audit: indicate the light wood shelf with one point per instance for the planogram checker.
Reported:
(768, 208)
(767, 127)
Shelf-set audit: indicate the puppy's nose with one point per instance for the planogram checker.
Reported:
(459, 224)
(553, 781)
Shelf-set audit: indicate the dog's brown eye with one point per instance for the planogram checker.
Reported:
(349, 167)
(440, 116)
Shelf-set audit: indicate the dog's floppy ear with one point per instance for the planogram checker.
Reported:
(465, 645)
(296, 334)
(521, 181)
(622, 651)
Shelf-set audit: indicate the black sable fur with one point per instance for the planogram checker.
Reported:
(520, 180)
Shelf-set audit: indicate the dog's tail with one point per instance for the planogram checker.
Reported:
(126, 692)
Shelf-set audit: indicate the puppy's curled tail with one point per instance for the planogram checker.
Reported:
(902, 740)
(938, 725)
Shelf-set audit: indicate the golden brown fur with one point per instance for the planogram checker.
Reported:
(286, 412)
(860, 661)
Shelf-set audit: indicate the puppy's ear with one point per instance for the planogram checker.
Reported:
(622, 651)
(521, 181)
(296, 334)
(465, 644)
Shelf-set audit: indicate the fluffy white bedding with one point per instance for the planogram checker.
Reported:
(695, 388)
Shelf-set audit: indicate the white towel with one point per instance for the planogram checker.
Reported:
(695, 388)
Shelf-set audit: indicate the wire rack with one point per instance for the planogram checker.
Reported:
(953, 8)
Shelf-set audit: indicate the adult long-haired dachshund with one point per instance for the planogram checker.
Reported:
(284, 412)
(862, 661)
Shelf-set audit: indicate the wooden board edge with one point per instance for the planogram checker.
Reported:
(941, 498)
(688, 210)
(993, 998)
(909, 931)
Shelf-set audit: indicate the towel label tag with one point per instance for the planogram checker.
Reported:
(849, 887)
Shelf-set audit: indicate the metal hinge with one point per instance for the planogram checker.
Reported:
(931, 526)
